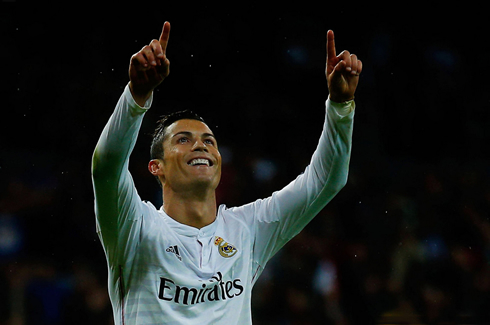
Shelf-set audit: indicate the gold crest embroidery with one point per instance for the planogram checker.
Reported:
(225, 249)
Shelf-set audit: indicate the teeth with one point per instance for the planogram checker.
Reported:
(199, 161)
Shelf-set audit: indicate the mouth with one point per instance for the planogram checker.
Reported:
(200, 162)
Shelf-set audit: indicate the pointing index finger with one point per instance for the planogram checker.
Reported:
(331, 52)
(164, 36)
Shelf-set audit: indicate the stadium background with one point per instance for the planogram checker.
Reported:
(408, 238)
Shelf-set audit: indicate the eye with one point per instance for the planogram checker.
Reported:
(209, 141)
(183, 140)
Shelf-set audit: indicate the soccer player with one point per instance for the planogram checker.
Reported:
(189, 261)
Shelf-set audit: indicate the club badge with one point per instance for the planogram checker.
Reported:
(225, 249)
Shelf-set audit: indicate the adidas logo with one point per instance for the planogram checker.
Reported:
(175, 250)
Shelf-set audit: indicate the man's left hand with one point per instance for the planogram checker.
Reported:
(342, 72)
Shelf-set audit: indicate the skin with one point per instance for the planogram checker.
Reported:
(342, 72)
(189, 191)
(149, 67)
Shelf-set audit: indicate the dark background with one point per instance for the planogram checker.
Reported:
(408, 238)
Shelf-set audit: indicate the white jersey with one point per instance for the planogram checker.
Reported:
(165, 272)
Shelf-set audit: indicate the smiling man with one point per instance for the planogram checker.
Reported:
(188, 168)
(191, 262)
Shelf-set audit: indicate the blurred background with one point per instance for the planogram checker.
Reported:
(407, 241)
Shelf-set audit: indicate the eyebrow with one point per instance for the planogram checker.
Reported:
(188, 133)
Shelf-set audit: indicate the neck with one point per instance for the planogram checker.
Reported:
(190, 209)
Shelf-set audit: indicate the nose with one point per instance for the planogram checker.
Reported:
(199, 145)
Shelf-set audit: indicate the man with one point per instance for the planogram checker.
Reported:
(190, 262)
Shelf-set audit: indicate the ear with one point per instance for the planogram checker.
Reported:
(155, 168)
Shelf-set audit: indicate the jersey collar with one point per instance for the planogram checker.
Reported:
(189, 231)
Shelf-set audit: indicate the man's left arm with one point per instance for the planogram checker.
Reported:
(288, 211)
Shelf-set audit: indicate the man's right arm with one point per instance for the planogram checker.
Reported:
(116, 198)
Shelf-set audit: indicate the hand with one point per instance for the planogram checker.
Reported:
(149, 67)
(342, 72)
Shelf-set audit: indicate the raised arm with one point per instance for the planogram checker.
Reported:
(117, 204)
(284, 214)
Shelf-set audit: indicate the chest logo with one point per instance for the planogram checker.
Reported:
(224, 248)
(174, 250)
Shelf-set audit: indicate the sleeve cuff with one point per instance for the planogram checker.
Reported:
(134, 106)
(342, 109)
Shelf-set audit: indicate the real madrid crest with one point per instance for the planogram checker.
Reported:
(224, 248)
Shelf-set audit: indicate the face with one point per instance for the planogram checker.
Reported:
(191, 159)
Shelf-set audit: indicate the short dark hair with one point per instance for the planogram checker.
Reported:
(156, 150)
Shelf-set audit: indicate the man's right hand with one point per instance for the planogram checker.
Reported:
(149, 67)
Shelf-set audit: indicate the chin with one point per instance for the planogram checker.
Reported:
(206, 179)
(205, 183)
